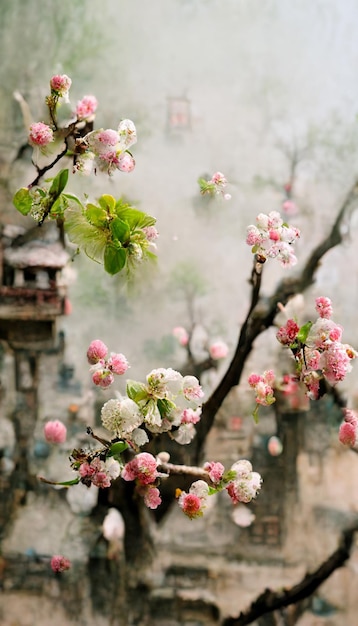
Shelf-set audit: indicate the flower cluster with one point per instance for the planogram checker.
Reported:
(348, 430)
(167, 402)
(245, 484)
(240, 482)
(215, 186)
(107, 150)
(263, 386)
(103, 366)
(273, 238)
(194, 503)
(98, 472)
(40, 135)
(317, 349)
(59, 563)
(60, 86)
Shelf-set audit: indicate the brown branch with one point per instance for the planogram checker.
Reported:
(270, 601)
(261, 316)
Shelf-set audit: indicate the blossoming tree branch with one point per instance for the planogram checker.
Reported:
(168, 404)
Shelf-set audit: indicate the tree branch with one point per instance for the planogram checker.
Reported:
(270, 601)
(261, 316)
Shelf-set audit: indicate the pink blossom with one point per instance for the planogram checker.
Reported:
(117, 363)
(218, 350)
(191, 505)
(126, 163)
(101, 480)
(152, 498)
(215, 470)
(86, 470)
(102, 378)
(335, 363)
(289, 207)
(274, 446)
(190, 416)
(274, 235)
(40, 135)
(96, 351)
(59, 563)
(218, 179)
(108, 137)
(348, 433)
(86, 108)
(55, 432)
(151, 233)
(253, 236)
(191, 389)
(60, 84)
(288, 333)
(324, 307)
(142, 468)
(181, 335)
(254, 379)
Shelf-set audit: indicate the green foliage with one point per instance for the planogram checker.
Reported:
(117, 448)
(136, 391)
(110, 232)
(22, 201)
(303, 332)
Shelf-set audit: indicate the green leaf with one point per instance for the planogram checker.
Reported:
(65, 483)
(58, 207)
(255, 414)
(89, 238)
(107, 203)
(59, 183)
(96, 215)
(22, 201)
(114, 259)
(134, 218)
(303, 332)
(117, 448)
(73, 198)
(136, 391)
(120, 230)
(165, 407)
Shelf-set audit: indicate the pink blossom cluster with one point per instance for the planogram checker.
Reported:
(215, 186)
(40, 135)
(215, 470)
(186, 429)
(348, 430)
(86, 108)
(143, 469)
(321, 354)
(55, 432)
(245, 485)
(194, 503)
(99, 473)
(59, 563)
(104, 367)
(60, 85)
(107, 149)
(272, 238)
(263, 387)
